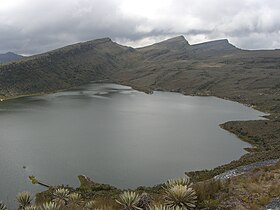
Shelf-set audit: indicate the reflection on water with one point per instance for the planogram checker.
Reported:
(114, 135)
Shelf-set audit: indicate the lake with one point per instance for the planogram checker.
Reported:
(113, 134)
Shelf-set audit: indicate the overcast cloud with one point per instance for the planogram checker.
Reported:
(35, 26)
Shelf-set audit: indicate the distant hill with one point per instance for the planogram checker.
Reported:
(9, 57)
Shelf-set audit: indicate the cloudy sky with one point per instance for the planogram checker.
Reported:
(35, 26)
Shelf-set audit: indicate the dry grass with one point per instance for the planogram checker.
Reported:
(250, 191)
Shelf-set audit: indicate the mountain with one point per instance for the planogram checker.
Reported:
(176, 43)
(217, 45)
(213, 49)
(62, 68)
(170, 49)
(210, 68)
(9, 57)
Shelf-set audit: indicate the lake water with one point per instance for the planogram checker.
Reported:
(114, 135)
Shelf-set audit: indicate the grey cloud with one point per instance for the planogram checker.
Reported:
(41, 28)
(32, 26)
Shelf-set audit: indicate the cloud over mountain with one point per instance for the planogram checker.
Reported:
(30, 26)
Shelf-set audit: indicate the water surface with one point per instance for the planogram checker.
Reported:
(114, 135)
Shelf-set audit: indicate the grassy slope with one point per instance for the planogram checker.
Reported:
(62, 68)
(252, 190)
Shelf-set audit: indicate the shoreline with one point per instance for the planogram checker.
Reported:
(199, 175)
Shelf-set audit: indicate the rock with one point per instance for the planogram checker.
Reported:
(244, 169)
(273, 205)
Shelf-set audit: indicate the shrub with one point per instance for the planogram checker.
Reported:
(3, 206)
(179, 181)
(24, 199)
(90, 205)
(180, 196)
(61, 196)
(32, 207)
(128, 200)
(75, 199)
(51, 206)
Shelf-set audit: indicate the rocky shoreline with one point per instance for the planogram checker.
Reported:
(244, 169)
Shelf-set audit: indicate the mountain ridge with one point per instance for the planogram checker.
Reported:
(9, 57)
(104, 59)
(62, 68)
(171, 43)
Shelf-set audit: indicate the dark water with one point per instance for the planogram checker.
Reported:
(114, 135)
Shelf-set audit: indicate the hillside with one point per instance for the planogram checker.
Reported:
(213, 68)
(62, 68)
(9, 57)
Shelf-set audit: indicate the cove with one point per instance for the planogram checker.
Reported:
(115, 135)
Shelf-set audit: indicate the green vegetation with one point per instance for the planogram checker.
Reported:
(61, 196)
(179, 194)
(169, 197)
(3, 206)
(51, 206)
(179, 181)
(252, 190)
(24, 199)
(129, 200)
(90, 205)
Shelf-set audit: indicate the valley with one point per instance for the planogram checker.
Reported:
(214, 68)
